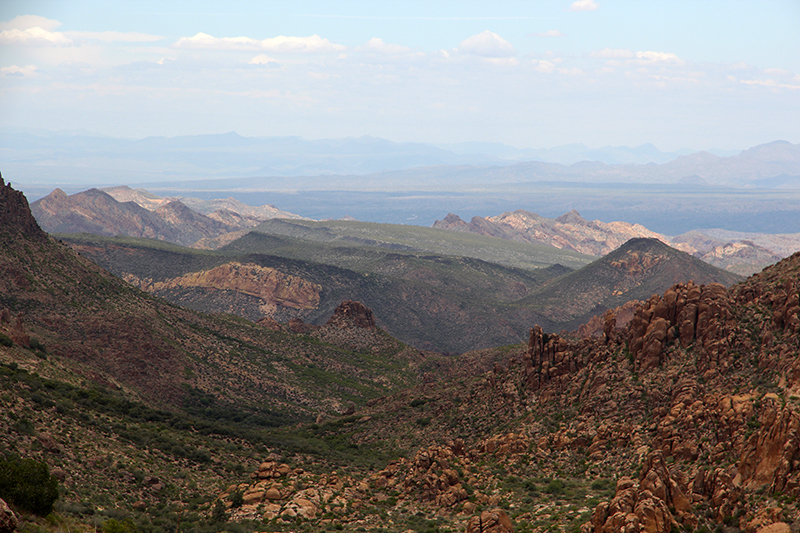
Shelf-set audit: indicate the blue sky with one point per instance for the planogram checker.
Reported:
(677, 74)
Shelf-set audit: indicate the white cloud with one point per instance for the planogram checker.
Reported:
(543, 66)
(33, 36)
(778, 71)
(313, 43)
(548, 33)
(14, 70)
(659, 57)
(376, 45)
(613, 53)
(25, 22)
(264, 59)
(487, 44)
(771, 83)
(584, 5)
(113, 36)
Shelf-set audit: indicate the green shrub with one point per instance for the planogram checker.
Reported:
(37, 345)
(28, 485)
(113, 525)
(6, 341)
(237, 499)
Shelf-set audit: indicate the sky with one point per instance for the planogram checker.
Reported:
(532, 74)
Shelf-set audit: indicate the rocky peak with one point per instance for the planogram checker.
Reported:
(15, 214)
(451, 221)
(573, 217)
(351, 314)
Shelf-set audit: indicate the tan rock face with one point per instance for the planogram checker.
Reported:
(770, 457)
(272, 286)
(495, 521)
(548, 356)
(643, 506)
(695, 314)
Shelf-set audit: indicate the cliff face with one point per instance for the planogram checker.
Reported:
(15, 215)
(271, 286)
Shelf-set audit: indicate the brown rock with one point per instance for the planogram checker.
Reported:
(495, 521)
(273, 287)
(644, 506)
(296, 325)
(273, 493)
(352, 314)
(269, 323)
(777, 527)
(768, 458)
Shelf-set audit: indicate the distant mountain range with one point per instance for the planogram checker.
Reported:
(38, 158)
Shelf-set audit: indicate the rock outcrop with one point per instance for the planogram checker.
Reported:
(568, 232)
(494, 521)
(272, 287)
(350, 314)
(646, 506)
(693, 314)
(15, 215)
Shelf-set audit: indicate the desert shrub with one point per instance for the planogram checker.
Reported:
(28, 485)
(37, 345)
(113, 525)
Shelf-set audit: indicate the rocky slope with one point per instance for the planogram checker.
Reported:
(740, 254)
(110, 332)
(124, 211)
(634, 271)
(273, 288)
(743, 256)
(433, 302)
(569, 231)
(684, 419)
(690, 409)
(217, 208)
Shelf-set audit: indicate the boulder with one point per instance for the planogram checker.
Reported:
(494, 521)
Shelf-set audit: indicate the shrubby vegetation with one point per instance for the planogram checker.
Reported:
(27, 484)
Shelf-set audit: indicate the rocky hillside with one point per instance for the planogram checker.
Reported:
(152, 202)
(740, 254)
(569, 231)
(134, 213)
(743, 256)
(433, 302)
(684, 419)
(635, 271)
(110, 332)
